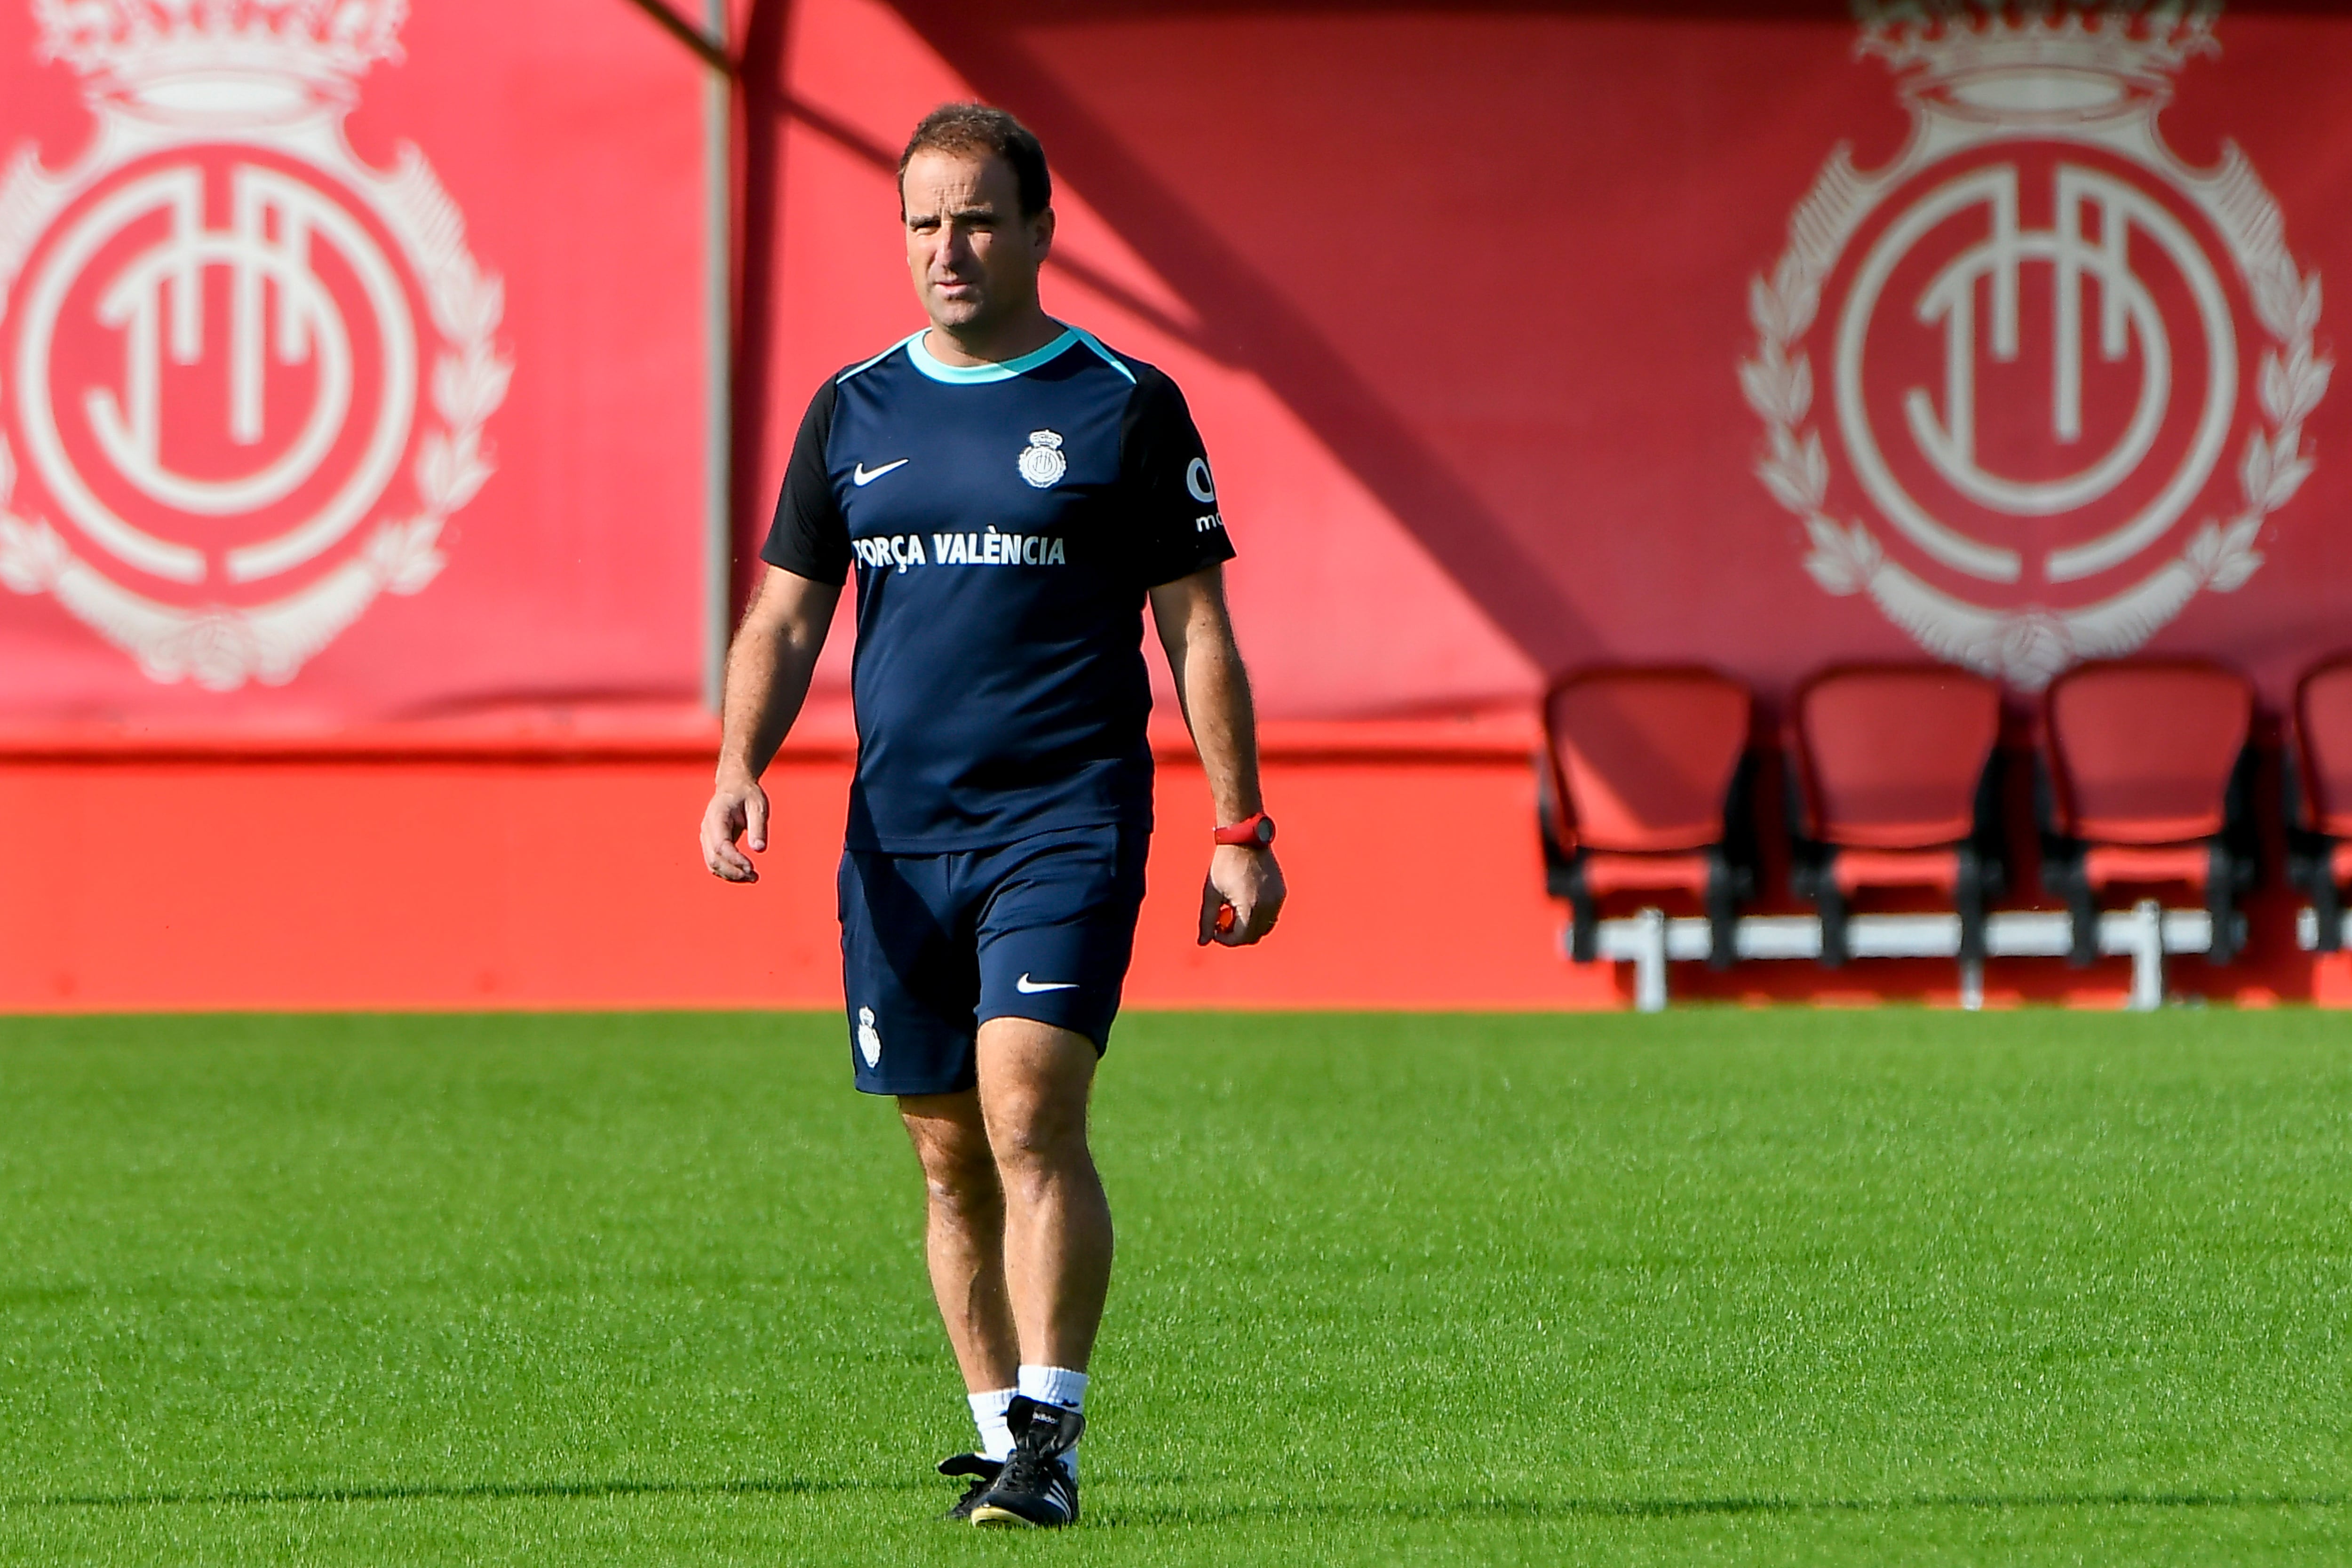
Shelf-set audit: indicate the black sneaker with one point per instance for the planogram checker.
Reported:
(1034, 1490)
(982, 1471)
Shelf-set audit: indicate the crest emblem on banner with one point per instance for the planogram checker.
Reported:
(2038, 383)
(244, 376)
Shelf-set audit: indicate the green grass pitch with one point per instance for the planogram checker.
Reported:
(1720, 1287)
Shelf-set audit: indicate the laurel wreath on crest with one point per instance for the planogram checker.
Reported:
(2030, 646)
(221, 646)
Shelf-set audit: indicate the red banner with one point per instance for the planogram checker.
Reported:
(1768, 338)
(352, 358)
(351, 361)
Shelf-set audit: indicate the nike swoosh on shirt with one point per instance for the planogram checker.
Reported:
(1028, 987)
(865, 476)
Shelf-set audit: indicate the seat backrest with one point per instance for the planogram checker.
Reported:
(1890, 758)
(2322, 733)
(1646, 756)
(2141, 751)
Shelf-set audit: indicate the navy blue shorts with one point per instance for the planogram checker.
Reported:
(932, 946)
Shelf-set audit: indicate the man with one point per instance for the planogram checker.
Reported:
(1010, 493)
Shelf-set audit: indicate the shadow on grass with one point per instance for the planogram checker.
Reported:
(1504, 1509)
(486, 1491)
(1464, 1509)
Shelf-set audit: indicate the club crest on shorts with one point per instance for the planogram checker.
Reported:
(869, 1038)
(2064, 374)
(244, 376)
(1041, 462)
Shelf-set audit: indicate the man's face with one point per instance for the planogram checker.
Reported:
(973, 256)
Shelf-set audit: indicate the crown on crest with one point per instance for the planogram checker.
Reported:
(2037, 57)
(182, 53)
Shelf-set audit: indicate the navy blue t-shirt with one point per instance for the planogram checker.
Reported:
(1005, 521)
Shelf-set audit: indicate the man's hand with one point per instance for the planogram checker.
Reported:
(768, 670)
(1248, 879)
(738, 809)
(1245, 892)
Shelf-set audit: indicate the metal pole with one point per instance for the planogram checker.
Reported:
(2148, 956)
(708, 44)
(717, 371)
(1650, 963)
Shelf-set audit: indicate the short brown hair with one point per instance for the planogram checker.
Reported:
(977, 129)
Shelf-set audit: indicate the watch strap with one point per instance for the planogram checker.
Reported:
(1255, 831)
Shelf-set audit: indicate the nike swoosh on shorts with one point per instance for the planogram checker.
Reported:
(1029, 987)
(865, 476)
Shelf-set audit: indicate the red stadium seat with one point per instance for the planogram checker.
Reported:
(1645, 773)
(2319, 785)
(1896, 786)
(2146, 771)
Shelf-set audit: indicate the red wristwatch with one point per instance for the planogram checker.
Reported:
(1253, 832)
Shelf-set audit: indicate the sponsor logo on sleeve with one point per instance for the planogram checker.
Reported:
(1202, 486)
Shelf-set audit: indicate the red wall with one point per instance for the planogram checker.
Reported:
(553, 870)
(553, 863)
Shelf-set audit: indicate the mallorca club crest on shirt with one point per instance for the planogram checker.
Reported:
(1041, 461)
(2037, 383)
(244, 376)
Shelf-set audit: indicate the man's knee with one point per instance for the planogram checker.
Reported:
(1034, 1081)
(1035, 1137)
(951, 1142)
(964, 1187)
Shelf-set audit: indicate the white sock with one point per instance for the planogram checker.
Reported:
(987, 1415)
(1057, 1385)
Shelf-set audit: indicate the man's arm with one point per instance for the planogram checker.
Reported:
(768, 671)
(1214, 691)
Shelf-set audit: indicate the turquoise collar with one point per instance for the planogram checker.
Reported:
(974, 374)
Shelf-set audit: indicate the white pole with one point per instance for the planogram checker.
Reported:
(1650, 963)
(2148, 956)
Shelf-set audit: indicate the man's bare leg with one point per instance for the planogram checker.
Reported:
(1034, 1083)
(963, 1234)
